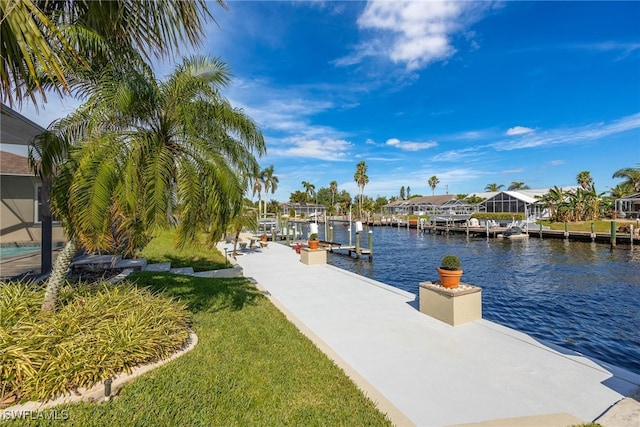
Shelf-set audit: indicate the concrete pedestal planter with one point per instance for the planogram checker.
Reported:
(313, 256)
(452, 306)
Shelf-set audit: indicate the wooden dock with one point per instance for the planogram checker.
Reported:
(351, 251)
(492, 232)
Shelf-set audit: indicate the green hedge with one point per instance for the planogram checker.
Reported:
(499, 216)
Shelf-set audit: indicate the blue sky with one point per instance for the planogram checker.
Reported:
(473, 93)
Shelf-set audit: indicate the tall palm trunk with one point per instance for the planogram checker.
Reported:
(58, 275)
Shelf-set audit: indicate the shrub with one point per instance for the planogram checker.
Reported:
(98, 332)
(313, 236)
(450, 262)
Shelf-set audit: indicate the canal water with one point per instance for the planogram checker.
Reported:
(582, 296)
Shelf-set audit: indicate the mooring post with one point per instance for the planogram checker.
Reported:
(593, 233)
(631, 234)
(330, 234)
(613, 233)
(286, 230)
(566, 230)
(357, 244)
(370, 244)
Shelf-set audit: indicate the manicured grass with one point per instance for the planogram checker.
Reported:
(600, 226)
(162, 249)
(252, 367)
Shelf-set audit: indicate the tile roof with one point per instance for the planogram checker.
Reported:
(13, 164)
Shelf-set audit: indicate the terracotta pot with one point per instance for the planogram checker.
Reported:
(449, 279)
(263, 238)
(313, 244)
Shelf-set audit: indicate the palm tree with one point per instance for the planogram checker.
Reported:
(151, 151)
(632, 177)
(48, 155)
(584, 179)
(493, 187)
(333, 187)
(621, 190)
(555, 201)
(270, 182)
(257, 188)
(361, 178)
(51, 43)
(245, 218)
(433, 183)
(309, 189)
(517, 186)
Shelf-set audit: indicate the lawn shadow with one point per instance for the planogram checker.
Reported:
(200, 293)
(198, 263)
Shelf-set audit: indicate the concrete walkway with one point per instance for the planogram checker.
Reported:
(424, 372)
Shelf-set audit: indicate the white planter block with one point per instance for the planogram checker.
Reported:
(313, 256)
(452, 306)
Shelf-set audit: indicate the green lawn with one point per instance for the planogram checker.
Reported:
(250, 367)
(600, 226)
(201, 258)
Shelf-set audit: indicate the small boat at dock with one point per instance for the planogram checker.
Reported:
(513, 233)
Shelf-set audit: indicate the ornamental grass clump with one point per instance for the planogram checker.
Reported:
(99, 331)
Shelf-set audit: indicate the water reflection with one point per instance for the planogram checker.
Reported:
(581, 295)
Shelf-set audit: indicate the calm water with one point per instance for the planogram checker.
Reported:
(582, 296)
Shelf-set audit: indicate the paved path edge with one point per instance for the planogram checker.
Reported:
(382, 403)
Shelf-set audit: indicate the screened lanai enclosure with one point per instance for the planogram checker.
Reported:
(629, 207)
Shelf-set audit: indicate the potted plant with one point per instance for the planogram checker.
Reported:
(313, 241)
(450, 271)
(264, 237)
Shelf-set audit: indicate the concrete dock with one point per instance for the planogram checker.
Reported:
(424, 372)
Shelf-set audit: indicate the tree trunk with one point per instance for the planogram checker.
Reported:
(58, 275)
(235, 244)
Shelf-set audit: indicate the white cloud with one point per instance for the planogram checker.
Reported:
(321, 148)
(570, 135)
(556, 162)
(415, 33)
(511, 171)
(410, 145)
(456, 155)
(518, 130)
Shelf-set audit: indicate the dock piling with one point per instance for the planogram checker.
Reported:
(613, 234)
